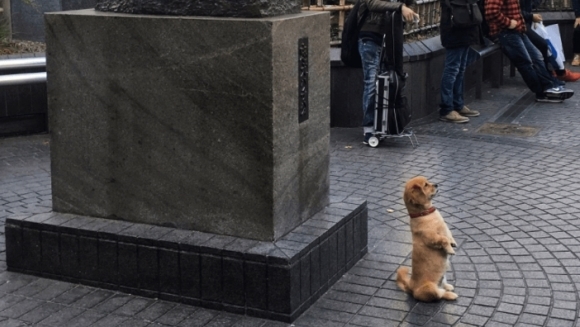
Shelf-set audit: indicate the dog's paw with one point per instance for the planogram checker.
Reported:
(448, 287)
(450, 296)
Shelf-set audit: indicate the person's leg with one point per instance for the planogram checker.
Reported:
(576, 46)
(546, 79)
(454, 60)
(513, 46)
(541, 44)
(462, 57)
(370, 55)
(451, 70)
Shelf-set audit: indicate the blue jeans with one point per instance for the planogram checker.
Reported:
(528, 61)
(370, 53)
(452, 80)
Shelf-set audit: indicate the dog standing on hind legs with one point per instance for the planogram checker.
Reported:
(432, 245)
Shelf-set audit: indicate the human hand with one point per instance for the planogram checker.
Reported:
(577, 22)
(536, 18)
(513, 24)
(408, 13)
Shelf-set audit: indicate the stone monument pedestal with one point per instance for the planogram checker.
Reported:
(190, 122)
(189, 160)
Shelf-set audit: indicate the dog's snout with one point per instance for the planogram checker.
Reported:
(435, 185)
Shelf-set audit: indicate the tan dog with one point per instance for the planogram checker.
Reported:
(432, 245)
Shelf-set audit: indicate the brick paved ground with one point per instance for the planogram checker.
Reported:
(512, 204)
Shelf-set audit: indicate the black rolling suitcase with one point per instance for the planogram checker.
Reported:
(392, 113)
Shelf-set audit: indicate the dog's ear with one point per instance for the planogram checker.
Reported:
(415, 194)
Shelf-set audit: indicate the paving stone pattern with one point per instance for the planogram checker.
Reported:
(512, 204)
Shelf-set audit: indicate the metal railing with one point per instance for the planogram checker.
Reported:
(8, 78)
(428, 10)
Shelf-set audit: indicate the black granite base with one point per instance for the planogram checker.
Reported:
(275, 280)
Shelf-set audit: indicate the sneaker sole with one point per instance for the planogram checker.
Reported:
(561, 96)
(454, 121)
(550, 100)
(469, 115)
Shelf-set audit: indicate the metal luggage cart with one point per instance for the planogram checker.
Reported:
(391, 112)
(386, 120)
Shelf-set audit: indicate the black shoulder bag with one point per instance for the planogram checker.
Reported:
(464, 13)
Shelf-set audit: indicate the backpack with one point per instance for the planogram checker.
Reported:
(484, 27)
(464, 13)
(349, 44)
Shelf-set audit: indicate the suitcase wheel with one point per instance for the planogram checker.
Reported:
(374, 141)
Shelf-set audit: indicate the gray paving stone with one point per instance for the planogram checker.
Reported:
(199, 318)
(513, 202)
(176, 315)
(156, 310)
(73, 294)
(133, 306)
(40, 313)
(20, 309)
(110, 320)
(62, 316)
(337, 317)
(86, 318)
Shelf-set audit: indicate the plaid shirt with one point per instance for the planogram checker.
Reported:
(498, 14)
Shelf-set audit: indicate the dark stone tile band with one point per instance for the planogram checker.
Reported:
(275, 280)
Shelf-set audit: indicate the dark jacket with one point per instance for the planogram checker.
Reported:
(375, 20)
(453, 37)
(527, 6)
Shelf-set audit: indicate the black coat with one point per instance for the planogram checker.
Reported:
(453, 37)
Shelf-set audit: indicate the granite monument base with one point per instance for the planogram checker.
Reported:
(218, 125)
(274, 280)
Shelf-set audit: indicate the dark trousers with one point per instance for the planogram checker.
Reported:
(577, 40)
(542, 45)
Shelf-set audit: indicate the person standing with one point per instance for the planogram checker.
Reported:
(369, 45)
(456, 41)
(506, 23)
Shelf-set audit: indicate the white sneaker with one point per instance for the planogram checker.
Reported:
(559, 92)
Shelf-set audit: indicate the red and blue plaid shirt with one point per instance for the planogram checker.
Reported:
(499, 13)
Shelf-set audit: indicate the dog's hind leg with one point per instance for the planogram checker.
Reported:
(403, 279)
(447, 287)
(430, 292)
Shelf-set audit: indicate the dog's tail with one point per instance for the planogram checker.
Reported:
(403, 279)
